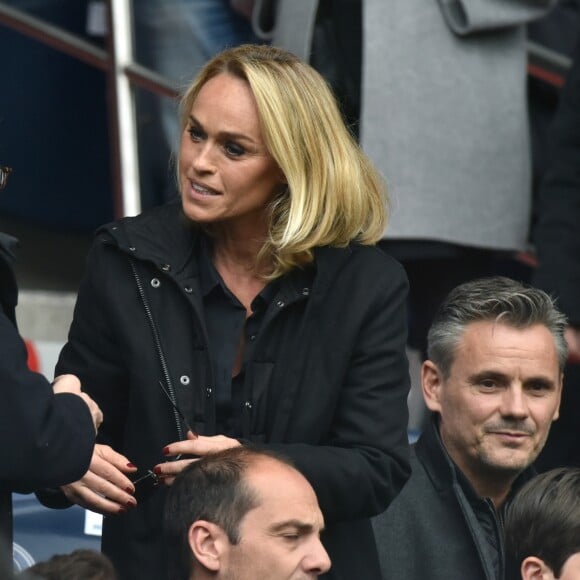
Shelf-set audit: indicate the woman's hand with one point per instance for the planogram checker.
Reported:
(197, 445)
(104, 488)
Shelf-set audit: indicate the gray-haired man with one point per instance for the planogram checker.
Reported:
(493, 383)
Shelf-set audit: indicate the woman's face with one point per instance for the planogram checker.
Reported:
(227, 177)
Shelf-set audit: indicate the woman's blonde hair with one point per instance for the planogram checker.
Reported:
(334, 194)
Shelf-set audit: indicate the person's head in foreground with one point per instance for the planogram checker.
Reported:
(243, 515)
(78, 565)
(265, 155)
(543, 527)
(494, 378)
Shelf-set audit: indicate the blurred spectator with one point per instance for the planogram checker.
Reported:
(542, 528)
(78, 565)
(557, 240)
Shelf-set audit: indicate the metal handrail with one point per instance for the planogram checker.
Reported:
(122, 73)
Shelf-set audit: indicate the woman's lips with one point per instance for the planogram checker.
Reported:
(203, 190)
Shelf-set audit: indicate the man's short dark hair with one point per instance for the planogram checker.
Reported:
(496, 299)
(78, 565)
(211, 489)
(544, 520)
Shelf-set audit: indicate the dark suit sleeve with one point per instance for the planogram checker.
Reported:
(47, 440)
(557, 234)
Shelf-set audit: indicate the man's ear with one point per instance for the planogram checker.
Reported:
(534, 568)
(208, 543)
(431, 382)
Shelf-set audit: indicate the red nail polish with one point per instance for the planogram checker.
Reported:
(157, 470)
(131, 504)
(122, 511)
(131, 465)
(166, 450)
(129, 490)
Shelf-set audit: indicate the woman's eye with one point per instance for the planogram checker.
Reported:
(233, 149)
(195, 133)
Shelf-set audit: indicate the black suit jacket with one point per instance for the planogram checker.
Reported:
(45, 440)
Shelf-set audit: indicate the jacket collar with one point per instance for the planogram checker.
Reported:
(442, 470)
(165, 237)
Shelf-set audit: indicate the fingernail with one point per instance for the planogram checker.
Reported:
(131, 504)
(130, 490)
(122, 510)
(195, 435)
(166, 450)
(131, 465)
(157, 470)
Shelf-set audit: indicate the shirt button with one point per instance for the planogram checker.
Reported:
(132, 249)
(155, 282)
(208, 392)
(248, 405)
(280, 303)
(184, 380)
(252, 337)
(305, 291)
(165, 267)
(188, 289)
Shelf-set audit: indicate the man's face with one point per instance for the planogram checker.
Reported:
(499, 400)
(279, 539)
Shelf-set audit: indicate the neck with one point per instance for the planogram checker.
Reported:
(238, 256)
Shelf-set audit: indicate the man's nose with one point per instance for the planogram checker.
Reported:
(317, 560)
(514, 403)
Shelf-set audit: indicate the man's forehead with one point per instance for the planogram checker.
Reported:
(283, 494)
(497, 341)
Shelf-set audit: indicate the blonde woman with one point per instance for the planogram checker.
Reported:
(255, 311)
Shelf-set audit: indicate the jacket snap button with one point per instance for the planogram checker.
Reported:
(248, 405)
(188, 289)
(208, 392)
(280, 303)
(184, 380)
(155, 282)
(305, 291)
(165, 267)
(132, 249)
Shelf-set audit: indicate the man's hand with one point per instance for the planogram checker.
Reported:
(71, 384)
(104, 488)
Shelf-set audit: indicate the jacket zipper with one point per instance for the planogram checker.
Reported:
(158, 347)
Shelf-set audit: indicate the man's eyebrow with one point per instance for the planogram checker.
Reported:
(489, 374)
(503, 378)
(300, 526)
(223, 134)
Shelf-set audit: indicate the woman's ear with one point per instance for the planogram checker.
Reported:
(208, 543)
(534, 568)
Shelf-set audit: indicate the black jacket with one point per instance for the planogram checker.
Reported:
(434, 529)
(327, 384)
(44, 439)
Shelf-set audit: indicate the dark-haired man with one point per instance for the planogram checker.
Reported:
(542, 527)
(493, 382)
(242, 515)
